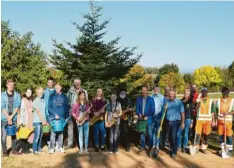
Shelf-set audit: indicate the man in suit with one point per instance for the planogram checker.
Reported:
(145, 107)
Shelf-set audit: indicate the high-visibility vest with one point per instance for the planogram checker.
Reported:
(225, 107)
(204, 111)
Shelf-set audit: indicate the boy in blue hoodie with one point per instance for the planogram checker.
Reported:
(58, 108)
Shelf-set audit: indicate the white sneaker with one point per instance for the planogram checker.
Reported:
(51, 151)
(110, 152)
(61, 150)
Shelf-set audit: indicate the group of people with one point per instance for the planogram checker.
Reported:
(169, 120)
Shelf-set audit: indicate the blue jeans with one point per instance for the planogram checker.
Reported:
(83, 130)
(150, 133)
(228, 139)
(37, 136)
(114, 132)
(156, 125)
(98, 128)
(173, 127)
(53, 137)
(186, 134)
(4, 136)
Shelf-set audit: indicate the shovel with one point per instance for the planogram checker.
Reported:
(193, 149)
(225, 149)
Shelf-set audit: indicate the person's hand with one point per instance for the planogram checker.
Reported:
(213, 124)
(182, 126)
(10, 122)
(191, 125)
(140, 116)
(44, 123)
(56, 117)
(115, 116)
(226, 113)
(102, 111)
(107, 125)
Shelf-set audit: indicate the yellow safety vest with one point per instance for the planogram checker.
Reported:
(225, 106)
(204, 111)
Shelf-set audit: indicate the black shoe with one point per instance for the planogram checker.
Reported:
(173, 155)
(14, 152)
(27, 152)
(151, 153)
(141, 150)
(103, 149)
(182, 150)
(204, 151)
(4, 154)
(96, 149)
(127, 149)
(156, 151)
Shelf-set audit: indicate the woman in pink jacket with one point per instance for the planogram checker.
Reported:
(78, 110)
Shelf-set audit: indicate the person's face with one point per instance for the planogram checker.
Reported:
(99, 92)
(122, 94)
(186, 94)
(156, 90)
(28, 93)
(167, 90)
(50, 83)
(193, 89)
(225, 93)
(10, 86)
(58, 88)
(40, 93)
(171, 95)
(77, 83)
(113, 98)
(204, 93)
(144, 91)
(82, 96)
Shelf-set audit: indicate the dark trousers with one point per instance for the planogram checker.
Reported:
(173, 127)
(164, 134)
(125, 134)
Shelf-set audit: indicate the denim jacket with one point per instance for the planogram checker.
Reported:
(46, 97)
(4, 104)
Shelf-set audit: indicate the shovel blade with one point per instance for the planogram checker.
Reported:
(226, 153)
(193, 150)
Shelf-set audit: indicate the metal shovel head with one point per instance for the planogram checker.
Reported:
(225, 152)
(193, 149)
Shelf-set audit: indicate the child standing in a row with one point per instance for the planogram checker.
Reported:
(58, 109)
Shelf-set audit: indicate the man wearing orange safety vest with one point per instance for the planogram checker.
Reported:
(205, 118)
(225, 108)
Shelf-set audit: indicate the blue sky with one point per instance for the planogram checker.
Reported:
(190, 34)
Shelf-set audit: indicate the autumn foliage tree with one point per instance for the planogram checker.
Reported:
(207, 76)
(136, 78)
(172, 80)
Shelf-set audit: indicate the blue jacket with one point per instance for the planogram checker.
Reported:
(46, 97)
(58, 104)
(149, 107)
(4, 104)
